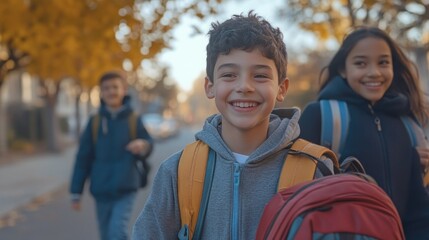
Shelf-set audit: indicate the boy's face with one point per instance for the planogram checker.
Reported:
(112, 92)
(245, 88)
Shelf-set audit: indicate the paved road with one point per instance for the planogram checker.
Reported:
(45, 214)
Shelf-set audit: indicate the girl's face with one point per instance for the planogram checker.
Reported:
(369, 68)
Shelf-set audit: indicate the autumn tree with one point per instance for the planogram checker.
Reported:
(158, 87)
(304, 82)
(81, 39)
(405, 20)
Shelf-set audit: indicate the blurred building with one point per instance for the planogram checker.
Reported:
(22, 107)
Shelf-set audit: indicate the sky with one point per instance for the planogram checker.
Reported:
(187, 56)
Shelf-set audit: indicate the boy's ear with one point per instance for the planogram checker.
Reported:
(209, 88)
(282, 90)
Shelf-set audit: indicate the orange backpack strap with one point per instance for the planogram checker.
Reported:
(191, 173)
(132, 124)
(299, 167)
(426, 179)
(95, 124)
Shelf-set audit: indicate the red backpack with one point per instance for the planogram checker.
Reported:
(342, 206)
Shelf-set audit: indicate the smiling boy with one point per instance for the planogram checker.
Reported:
(245, 88)
(246, 76)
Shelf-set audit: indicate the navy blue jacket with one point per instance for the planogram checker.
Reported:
(110, 167)
(385, 151)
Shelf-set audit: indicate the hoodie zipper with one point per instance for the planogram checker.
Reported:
(235, 202)
(383, 147)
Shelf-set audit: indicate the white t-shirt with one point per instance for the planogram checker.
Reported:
(240, 158)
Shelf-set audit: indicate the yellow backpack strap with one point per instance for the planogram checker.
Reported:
(300, 167)
(426, 179)
(132, 125)
(191, 173)
(95, 125)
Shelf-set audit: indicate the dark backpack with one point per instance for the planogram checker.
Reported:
(342, 206)
(141, 162)
(335, 124)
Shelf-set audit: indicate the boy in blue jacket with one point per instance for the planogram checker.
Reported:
(246, 76)
(109, 159)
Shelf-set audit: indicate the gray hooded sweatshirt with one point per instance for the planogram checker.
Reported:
(239, 192)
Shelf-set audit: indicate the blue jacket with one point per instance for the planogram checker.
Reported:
(110, 167)
(384, 149)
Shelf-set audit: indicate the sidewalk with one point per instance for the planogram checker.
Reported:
(29, 178)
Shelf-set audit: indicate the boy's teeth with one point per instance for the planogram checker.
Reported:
(244, 104)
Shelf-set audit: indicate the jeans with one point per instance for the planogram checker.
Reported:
(114, 215)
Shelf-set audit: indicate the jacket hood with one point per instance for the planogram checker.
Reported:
(283, 129)
(393, 102)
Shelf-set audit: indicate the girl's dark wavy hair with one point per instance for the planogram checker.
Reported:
(246, 33)
(405, 74)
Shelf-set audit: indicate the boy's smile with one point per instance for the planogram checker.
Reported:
(245, 88)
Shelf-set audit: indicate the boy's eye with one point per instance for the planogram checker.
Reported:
(262, 76)
(227, 75)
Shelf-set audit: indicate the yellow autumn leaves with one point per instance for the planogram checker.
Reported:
(83, 38)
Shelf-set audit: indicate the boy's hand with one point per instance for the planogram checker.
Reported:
(424, 157)
(138, 146)
(76, 205)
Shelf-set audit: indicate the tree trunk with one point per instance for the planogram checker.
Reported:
(77, 116)
(3, 119)
(51, 124)
(3, 131)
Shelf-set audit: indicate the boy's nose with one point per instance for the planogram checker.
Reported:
(245, 84)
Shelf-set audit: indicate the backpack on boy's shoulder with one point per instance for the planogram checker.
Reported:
(335, 123)
(141, 162)
(196, 169)
(342, 206)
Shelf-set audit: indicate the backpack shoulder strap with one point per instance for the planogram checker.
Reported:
(132, 125)
(335, 123)
(191, 175)
(301, 163)
(95, 125)
(195, 173)
(415, 131)
(417, 137)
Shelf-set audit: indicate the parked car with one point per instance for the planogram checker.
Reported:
(159, 127)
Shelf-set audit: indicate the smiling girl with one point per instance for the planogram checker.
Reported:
(372, 75)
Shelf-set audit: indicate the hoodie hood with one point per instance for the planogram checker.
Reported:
(393, 103)
(283, 129)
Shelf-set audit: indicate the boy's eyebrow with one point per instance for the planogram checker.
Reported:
(263, 66)
(232, 65)
(225, 65)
